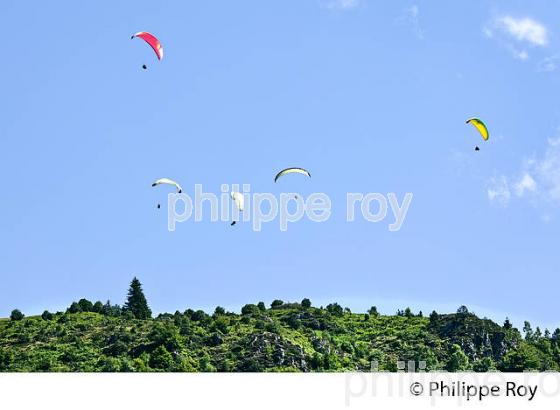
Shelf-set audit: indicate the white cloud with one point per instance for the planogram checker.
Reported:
(547, 171)
(538, 181)
(498, 190)
(525, 184)
(341, 4)
(487, 31)
(411, 18)
(548, 64)
(515, 34)
(520, 54)
(413, 12)
(524, 29)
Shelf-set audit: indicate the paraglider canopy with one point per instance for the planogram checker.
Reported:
(239, 200)
(480, 126)
(292, 170)
(152, 41)
(168, 181)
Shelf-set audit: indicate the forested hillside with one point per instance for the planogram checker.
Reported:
(91, 337)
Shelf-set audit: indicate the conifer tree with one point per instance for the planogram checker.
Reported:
(434, 317)
(136, 302)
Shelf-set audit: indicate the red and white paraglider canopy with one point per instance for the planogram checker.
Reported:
(152, 41)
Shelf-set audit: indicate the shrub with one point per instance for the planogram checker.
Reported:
(306, 303)
(161, 359)
(16, 315)
(74, 308)
(85, 305)
(97, 307)
(373, 311)
(276, 304)
(47, 315)
(335, 309)
(250, 309)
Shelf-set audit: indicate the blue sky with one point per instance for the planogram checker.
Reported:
(369, 96)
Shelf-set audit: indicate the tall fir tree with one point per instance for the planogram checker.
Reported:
(136, 302)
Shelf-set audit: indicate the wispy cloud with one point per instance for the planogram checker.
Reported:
(520, 54)
(517, 33)
(525, 184)
(341, 4)
(498, 190)
(538, 180)
(547, 170)
(411, 18)
(548, 64)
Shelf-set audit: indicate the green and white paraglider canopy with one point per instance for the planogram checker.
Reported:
(167, 181)
(292, 170)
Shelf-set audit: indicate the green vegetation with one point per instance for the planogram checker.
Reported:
(94, 337)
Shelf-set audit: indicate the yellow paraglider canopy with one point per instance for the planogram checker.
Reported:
(480, 126)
